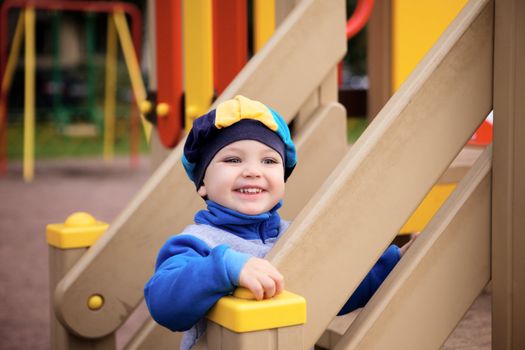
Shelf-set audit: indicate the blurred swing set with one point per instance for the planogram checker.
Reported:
(117, 29)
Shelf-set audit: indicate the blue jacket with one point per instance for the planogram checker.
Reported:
(202, 264)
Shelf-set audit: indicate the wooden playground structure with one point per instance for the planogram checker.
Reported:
(348, 204)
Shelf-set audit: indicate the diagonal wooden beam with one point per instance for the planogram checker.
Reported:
(352, 218)
(439, 277)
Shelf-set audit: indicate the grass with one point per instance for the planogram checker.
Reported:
(51, 143)
(356, 126)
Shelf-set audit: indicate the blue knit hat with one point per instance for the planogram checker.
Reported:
(235, 120)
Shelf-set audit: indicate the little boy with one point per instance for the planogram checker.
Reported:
(239, 156)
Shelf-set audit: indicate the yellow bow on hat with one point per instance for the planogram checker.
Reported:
(231, 111)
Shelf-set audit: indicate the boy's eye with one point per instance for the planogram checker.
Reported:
(232, 160)
(270, 161)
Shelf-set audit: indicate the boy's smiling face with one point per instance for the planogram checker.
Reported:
(246, 176)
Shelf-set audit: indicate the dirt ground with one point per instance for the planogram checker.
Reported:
(63, 187)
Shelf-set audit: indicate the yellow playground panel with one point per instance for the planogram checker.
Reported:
(430, 205)
(416, 26)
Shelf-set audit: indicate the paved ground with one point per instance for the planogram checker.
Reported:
(63, 187)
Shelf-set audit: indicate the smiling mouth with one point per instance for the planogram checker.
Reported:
(250, 190)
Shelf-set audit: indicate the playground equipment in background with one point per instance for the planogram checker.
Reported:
(214, 52)
(355, 23)
(26, 25)
(62, 113)
(201, 84)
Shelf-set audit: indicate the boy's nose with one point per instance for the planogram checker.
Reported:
(251, 170)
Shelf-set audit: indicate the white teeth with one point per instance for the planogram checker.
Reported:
(250, 190)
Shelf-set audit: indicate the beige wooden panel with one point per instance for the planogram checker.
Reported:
(336, 329)
(60, 261)
(285, 338)
(118, 265)
(213, 336)
(158, 153)
(430, 290)
(306, 111)
(345, 227)
(152, 336)
(261, 340)
(321, 145)
(329, 89)
(326, 93)
(282, 10)
(290, 337)
(508, 287)
(461, 165)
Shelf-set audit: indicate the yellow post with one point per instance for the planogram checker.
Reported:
(264, 22)
(67, 242)
(198, 59)
(137, 84)
(239, 322)
(110, 92)
(29, 95)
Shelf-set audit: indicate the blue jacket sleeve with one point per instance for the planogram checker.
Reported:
(189, 279)
(373, 280)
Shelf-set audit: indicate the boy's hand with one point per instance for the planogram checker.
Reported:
(261, 278)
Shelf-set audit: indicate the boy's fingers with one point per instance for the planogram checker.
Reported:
(279, 284)
(278, 280)
(268, 285)
(261, 278)
(256, 288)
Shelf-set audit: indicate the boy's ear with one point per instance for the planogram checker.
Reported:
(202, 191)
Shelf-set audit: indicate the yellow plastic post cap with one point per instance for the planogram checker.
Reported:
(243, 293)
(241, 313)
(80, 219)
(80, 230)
